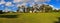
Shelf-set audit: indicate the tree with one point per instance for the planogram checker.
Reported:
(48, 8)
(59, 10)
(18, 9)
(29, 9)
(22, 8)
(42, 8)
(45, 8)
(55, 10)
(35, 8)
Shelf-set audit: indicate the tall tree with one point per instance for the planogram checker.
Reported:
(45, 8)
(35, 8)
(48, 8)
(18, 9)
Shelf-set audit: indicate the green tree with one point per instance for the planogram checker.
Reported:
(18, 9)
(45, 8)
(59, 10)
(55, 10)
(48, 8)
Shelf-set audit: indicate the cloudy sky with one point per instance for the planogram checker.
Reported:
(13, 4)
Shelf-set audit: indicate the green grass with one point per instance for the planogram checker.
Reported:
(32, 18)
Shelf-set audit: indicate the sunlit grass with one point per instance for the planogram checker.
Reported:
(32, 18)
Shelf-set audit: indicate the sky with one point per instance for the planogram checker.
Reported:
(12, 5)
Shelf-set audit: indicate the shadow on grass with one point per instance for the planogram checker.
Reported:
(58, 20)
(8, 16)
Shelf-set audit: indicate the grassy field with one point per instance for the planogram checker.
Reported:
(32, 18)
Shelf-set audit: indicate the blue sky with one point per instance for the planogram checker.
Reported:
(12, 4)
(55, 3)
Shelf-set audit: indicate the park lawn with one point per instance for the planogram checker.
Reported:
(32, 18)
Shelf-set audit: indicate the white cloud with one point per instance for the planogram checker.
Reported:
(2, 2)
(30, 1)
(12, 5)
(26, 0)
(6, 10)
(42, 0)
(24, 4)
(32, 4)
(52, 6)
(16, 1)
(57, 8)
(8, 4)
(18, 5)
(21, 4)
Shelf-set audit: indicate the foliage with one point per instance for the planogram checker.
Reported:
(45, 8)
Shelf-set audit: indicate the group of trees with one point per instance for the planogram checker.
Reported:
(55, 10)
(46, 8)
(35, 8)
